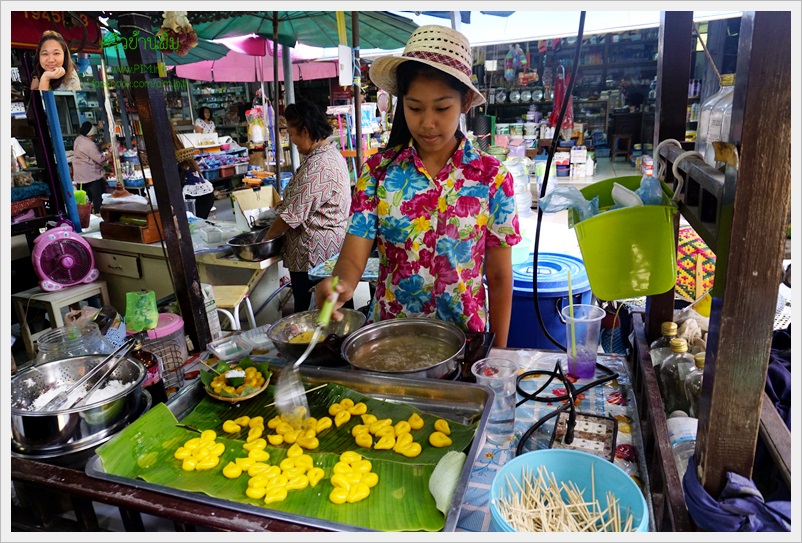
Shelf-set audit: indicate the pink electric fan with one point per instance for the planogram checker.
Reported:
(62, 259)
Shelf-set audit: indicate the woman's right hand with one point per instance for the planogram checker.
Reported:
(55, 73)
(323, 290)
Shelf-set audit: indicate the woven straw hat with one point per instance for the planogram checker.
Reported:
(439, 47)
(184, 154)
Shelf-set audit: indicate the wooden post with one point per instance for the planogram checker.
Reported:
(751, 246)
(674, 57)
(276, 129)
(152, 111)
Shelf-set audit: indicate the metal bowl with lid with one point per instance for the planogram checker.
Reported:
(35, 431)
(406, 347)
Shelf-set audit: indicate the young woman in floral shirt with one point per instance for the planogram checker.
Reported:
(443, 213)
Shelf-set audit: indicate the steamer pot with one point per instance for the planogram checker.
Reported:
(41, 432)
(411, 329)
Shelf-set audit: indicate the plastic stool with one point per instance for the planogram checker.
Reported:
(53, 302)
(615, 151)
(228, 299)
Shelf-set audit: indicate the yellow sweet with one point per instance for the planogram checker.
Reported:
(350, 457)
(218, 449)
(335, 408)
(256, 421)
(181, 453)
(322, 424)
(284, 427)
(410, 450)
(371, 479)
(192, 444)
(385, 431)
(362, 466)
(207, 463)
(364, 440)
(379, 424)
(402, 440)
(359, 429)
(341, 467)
(439, 439)
(244, 420)
(415, 421)
(255, 444)
(338, 496)
(254, 434)
(386, 442)
(347, 403)
(275, 439)
(189, 464)
(259, 455)
(259, 481)
(358, 409)
(402, 427)
(287, 463)
(291, 437)
(244, 463)
(339, 480)
(275, 494)
(231, 427)
(294, 451)
(304, 461)
(315, 475)
(369, 418)
(232, 470)
(441, 425)
(274, 422)
(298, 482)
(358, 492)
(308, 443)
(341, 418)
(257, 468)
(208, 435)
(256, 493)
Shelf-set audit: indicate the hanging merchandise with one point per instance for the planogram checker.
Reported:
(560, 86)
(256, 126)
(509, 69)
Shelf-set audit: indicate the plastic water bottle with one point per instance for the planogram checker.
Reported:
(682, 435)
(673, 371)
(703, 127)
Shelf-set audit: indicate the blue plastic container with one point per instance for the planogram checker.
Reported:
(575, 466)
(552, 287)
(285, 180)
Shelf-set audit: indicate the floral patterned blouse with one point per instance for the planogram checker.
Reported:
(433, 232)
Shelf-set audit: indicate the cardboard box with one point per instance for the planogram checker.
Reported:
(211, 311)
(254, 203)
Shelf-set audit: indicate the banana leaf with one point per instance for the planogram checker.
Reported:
(400, 502)
(206, 377)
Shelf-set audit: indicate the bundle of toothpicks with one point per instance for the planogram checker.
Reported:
(540, 504)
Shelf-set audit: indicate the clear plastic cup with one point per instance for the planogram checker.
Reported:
(582, 338)
(499, 374)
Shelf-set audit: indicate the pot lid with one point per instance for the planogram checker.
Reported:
(552, 274)
(168, 323)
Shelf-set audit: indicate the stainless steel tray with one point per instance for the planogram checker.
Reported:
(461, 402)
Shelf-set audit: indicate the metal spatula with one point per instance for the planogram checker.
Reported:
(289, 394)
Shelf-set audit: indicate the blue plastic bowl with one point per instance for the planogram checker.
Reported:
(569, 465)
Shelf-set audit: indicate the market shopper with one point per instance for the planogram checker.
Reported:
(314, 209)
(87, 165)
(443, 213)
(54, 69)
(194, 185)
(204, 123)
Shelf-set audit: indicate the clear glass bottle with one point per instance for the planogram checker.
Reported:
(682, 435)
(661, 347)
(703, 128)
(693, 384)
(71, 340)
(673, 371)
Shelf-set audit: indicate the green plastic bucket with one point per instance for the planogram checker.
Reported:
(627, 252)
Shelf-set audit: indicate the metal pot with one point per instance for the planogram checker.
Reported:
(326, 352)
(39, 432)
(246, 246)
(419, 334)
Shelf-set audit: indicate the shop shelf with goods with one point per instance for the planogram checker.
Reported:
(345, 133)
(218, 97)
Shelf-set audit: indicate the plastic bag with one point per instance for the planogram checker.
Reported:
(141, 312)
(650, 191)
(569, 197)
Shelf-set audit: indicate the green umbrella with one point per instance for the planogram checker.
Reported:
(377, 29)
